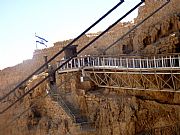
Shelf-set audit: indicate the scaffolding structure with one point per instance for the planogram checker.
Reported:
(148, 73)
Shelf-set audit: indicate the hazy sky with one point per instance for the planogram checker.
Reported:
(54, 20)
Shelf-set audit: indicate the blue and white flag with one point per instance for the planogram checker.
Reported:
(41, 40)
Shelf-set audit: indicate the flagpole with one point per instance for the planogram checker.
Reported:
(36, 42)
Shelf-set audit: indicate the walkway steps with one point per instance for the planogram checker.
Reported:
(79, 120)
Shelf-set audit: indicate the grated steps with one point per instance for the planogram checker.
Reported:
(75, 113)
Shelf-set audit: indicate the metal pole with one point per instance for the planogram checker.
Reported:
(127, 63)
(45, 60)
(154, 62)
(162, 62)
(140, 63)
(179, 60)
(170, 61)
(147, 62)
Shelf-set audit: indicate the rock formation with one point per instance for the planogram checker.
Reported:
(108, 111)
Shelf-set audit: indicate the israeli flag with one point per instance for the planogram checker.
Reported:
(41, 40)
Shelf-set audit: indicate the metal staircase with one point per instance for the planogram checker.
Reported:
(73, 112)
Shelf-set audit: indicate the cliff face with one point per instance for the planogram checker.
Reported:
(111, 111)
(127, 114)
(124, 112)
(170, 9)
(162, 37)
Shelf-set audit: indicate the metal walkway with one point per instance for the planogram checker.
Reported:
(121, 63)
(155, 73)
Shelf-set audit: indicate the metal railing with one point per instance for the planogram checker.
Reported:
(163, 62)
(59, 99)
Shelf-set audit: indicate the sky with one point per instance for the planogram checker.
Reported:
(54, 20)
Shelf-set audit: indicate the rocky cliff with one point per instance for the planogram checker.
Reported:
(104, 111)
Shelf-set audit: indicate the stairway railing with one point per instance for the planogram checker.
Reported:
(58, 97)
(60, 100)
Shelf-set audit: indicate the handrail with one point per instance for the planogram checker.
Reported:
(63, 103)
(22, 113)
(59, 98)
(132, 55)
(122, 63)
(57, 54)
(82, 49)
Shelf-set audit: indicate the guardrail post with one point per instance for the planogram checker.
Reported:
(93, 62)
(115, 63)
(103, 62)
(67, 65)
(140, 63)
(127, 63)
(98, 63)
(170, 61)
(147, 62)
(71, 63)
(154, 62)
(75, 62)
(120, 62)
(83, 61)
(162, 62)
(78, 62)
(179, 60)
(112, 61)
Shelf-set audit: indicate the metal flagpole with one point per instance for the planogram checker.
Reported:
(36, 42)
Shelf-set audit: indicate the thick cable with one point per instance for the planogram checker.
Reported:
(136, 26)
(39, 99)
(82, 49)
(57, 54)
